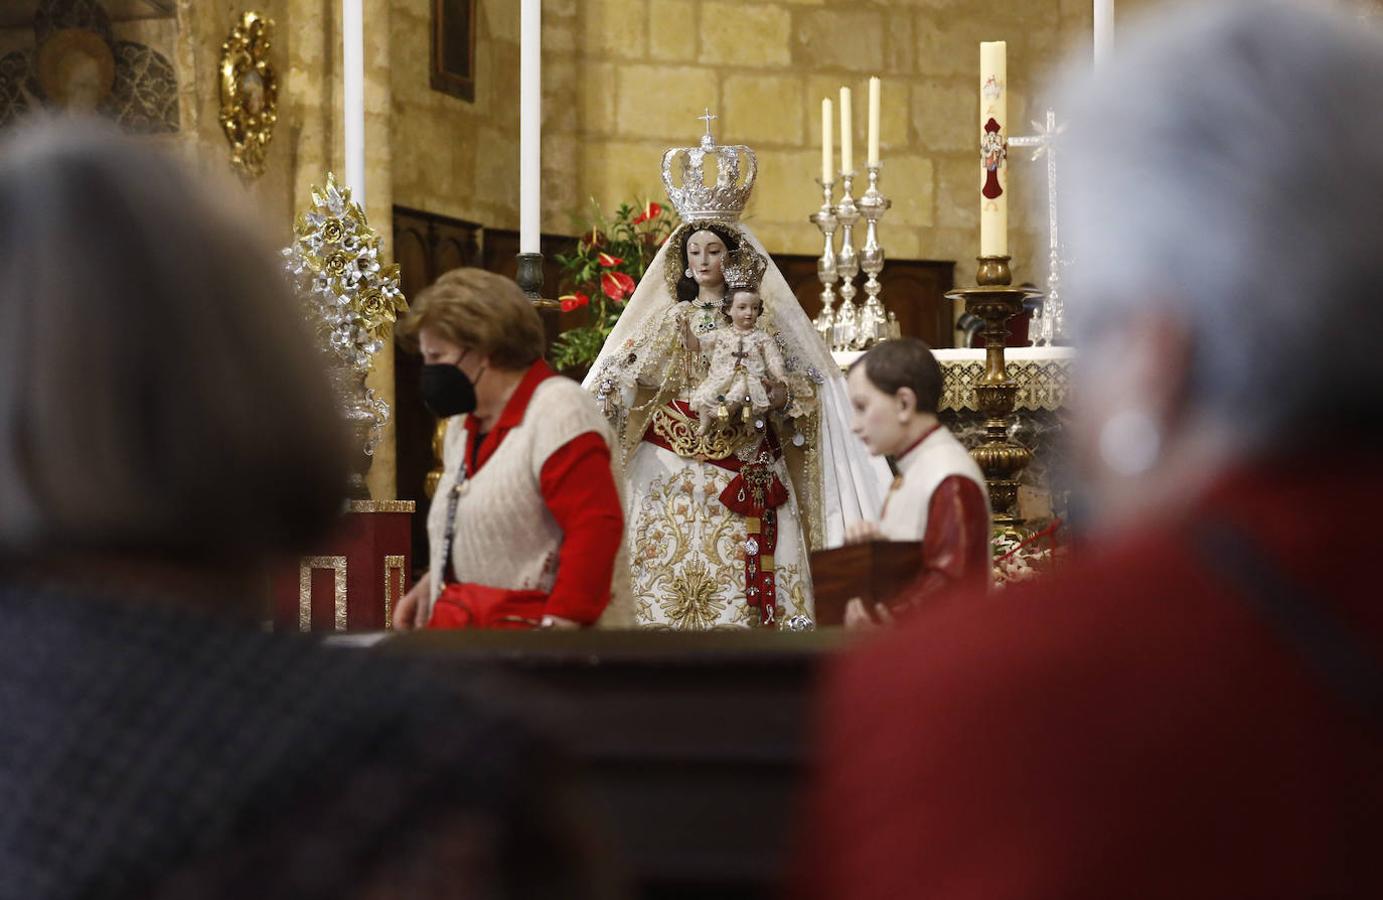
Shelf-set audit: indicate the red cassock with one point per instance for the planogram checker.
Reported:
(1191, 712)
(579, 496)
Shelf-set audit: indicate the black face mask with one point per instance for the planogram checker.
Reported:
(447, 390)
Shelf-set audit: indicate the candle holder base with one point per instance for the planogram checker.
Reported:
(530, 279)
(995, 302)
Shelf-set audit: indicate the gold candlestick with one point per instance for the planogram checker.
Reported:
(995, 302)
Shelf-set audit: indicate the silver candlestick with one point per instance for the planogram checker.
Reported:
(873, 324)
(825, 219)
(847, 264)
(1049, 321)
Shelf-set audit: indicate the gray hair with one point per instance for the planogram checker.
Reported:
(158, 391)
(1227, 165)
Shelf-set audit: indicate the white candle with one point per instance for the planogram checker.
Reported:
(828, 174)
(353, 95)
(1104, 29)
(994, 148)
(530, 124)
(847, 144)
(874, 88)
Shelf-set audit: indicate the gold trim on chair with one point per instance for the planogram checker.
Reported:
(392, 564)
(305, 569)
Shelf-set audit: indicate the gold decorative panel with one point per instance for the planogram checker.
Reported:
(338, 566)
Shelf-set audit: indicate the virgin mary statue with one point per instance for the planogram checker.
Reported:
(720, 519)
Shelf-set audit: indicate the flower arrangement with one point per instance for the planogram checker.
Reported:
(601, 274)
(349, 298)
(1022, 560)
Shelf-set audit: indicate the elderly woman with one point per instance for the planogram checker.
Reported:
(1193, 708)
(166, 434)
(526, 526)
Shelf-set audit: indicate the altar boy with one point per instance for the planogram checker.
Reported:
(939, 496)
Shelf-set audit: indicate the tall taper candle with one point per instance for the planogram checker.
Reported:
(530, 124)
(1104, 29)
(353, 96)
(874, 88)
(993, 148)
(828, 170)
(847, 137)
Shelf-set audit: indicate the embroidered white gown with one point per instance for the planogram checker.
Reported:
(689, 552)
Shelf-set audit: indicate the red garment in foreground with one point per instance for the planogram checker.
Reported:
(1132, 727)
(579, 490)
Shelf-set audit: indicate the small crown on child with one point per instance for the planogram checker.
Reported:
(744, 269)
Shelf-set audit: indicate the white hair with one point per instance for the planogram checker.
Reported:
(1227, 166)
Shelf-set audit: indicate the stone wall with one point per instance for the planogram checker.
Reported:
(645, 69)
(307, 142)
(454, 157)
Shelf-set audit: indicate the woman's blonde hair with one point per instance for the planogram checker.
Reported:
(480, 311)
(159, 394)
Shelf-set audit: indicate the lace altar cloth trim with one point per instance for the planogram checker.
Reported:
(1043, 375)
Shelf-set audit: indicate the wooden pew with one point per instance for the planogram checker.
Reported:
(694, 745)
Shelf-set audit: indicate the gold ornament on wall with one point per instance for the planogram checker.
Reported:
(249, 92)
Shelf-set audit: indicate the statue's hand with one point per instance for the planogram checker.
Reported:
(689, 339)
(777, 393)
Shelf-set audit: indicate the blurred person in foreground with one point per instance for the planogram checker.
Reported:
(1194, 708)
(526, 528)
(165, 432)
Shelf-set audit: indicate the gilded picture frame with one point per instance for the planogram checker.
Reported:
(249, 93)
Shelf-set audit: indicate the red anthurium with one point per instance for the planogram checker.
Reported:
(594, 238)
(609, 261)
(616, 285)
(651, 210)
(573, 301)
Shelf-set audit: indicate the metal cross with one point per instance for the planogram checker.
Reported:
(707, 118)
(1045, 143)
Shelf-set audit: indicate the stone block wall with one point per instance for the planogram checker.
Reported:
(645, 69)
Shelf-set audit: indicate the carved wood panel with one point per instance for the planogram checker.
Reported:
(914, 290)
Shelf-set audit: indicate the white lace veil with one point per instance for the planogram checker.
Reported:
(852, 482)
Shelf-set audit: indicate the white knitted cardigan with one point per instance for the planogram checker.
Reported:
(505, 535)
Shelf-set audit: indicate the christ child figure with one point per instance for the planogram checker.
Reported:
(742, 355)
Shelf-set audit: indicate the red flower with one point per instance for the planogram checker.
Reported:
(616, 285)
(573, 301)
(594, 239)
(651, 210)
(609, 261)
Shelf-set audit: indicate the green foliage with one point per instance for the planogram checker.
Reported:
(610, 259)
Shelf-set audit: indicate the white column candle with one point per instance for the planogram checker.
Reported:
(874, 89)
(828, 173)
(993, 148)
(1104, 30)
(847, 142)
(353, 95)
(530, 124)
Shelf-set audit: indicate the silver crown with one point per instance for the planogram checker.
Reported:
(744, 269)
(696, 200)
